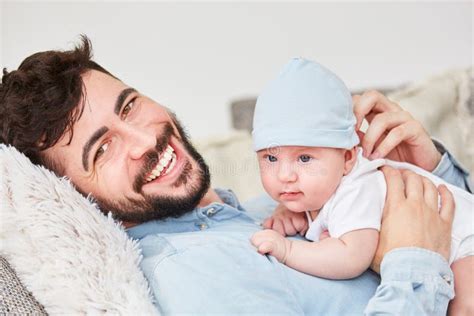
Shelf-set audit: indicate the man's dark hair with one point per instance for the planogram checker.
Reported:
(42, 100)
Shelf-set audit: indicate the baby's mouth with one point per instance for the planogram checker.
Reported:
(290, 194)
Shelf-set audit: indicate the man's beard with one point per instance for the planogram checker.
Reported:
(154, 207)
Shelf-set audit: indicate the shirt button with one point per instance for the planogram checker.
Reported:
(202, 226)
(447, 278)
(211, 211)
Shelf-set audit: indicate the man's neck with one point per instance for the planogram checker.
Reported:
(210, 197)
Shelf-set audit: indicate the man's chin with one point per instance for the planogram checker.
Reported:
(156, 207)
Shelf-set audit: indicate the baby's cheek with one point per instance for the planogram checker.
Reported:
(268, 184)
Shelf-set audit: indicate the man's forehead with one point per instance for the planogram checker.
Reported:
(100, 95)
(98, 85)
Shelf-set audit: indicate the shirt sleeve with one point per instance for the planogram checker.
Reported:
(357, 204)
(414, 281)
(450, 170)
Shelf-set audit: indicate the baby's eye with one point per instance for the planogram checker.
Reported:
(271, 158)
(101, 151)
(305, 158)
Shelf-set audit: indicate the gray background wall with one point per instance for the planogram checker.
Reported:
(198, 57)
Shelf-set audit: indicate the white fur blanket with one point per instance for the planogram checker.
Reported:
(70, 256)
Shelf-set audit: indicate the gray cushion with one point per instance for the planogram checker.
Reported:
(14, 297)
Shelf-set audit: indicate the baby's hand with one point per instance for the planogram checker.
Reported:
(270, 242)
(324, 235)
(286, 222)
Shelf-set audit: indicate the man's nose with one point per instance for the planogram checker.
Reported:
(140, 140)
(287, 173)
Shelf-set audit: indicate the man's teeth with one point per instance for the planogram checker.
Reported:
(172, 164)
(167, 159)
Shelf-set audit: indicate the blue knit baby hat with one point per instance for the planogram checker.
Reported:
(306, 105)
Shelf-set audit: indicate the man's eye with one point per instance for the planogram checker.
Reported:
(271, 158)
(127, 108)
(101, 151)
(305, 158)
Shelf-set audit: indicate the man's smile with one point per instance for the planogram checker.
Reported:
(164, 165)
(168, 167)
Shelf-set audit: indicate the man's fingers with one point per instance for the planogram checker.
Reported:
(360, 110)
(430, 193)
(355, 98)
(396, 136)
(361, 136)
(413, 185)
(447, 204)
(359, 118)
(369, 117)
(372, 101)
(382, 123)
(395, 185)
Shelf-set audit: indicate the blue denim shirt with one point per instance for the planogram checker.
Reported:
(203, 263)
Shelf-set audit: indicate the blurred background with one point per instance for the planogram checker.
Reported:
(199, 57)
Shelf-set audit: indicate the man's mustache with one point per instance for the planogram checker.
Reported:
(152, 157)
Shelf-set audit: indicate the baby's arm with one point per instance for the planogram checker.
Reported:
(333, 258)
(463, 287)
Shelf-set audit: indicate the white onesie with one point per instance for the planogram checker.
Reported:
(359, 201)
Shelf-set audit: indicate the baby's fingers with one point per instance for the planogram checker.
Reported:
(263, 235)
(279, 227)
(300, 224)
(268, 222)
(266, 247)
(290, 229)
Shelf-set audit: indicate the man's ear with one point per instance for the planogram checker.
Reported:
(350, 157)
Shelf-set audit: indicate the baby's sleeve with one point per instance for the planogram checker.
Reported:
(357, 204)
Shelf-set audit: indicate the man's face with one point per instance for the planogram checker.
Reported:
(130, 155)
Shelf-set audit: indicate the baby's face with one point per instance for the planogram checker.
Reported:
(302, 178)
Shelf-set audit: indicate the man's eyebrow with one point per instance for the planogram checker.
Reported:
(121, 98)
(90, 143)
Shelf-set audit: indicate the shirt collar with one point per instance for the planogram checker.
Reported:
(182, 223)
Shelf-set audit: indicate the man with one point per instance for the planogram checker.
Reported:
(68, 113)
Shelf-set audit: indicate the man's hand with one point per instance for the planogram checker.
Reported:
(270, 242)
(393, 133)
(411, 217)
(286, 222)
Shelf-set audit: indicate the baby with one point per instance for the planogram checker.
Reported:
(305, 138)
